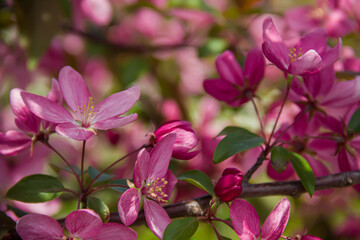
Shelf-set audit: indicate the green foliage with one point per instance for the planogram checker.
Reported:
(236, 140)
(133, 69)
(279, 158)
(354, 124)
(121, 182)
(99, 207)
(212, 47)
(181, 229)
(198, 179)
(94, 172)
(35, 189)
(38, 22)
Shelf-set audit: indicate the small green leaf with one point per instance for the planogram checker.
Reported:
(224, 238)
(354, 124)
(213, 46)
(279, 158)
(236, 140)
(36, 188)
(99, 207)
(304, 171)
(103, 177)
(120, 182)
(57, 168)
(199, 179)
(133, 69)
(181, 229)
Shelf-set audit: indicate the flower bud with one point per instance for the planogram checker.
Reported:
(229, 186)
(186, 138)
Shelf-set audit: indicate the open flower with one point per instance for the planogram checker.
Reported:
(234, 86)
(80, 224)
(89, 117)
(153, 184)
(246, 222)
(308, 56)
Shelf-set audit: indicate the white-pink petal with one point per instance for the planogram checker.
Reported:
(83, 223)
(156, 217)
(141, 168)
(115, 231)
(73, 131)
(160, 157)
(73, 88)
(129, 206)
(37, 226)
(116, 104)
(277, 220)
(245, 219)
(114, 122)
(46, 109)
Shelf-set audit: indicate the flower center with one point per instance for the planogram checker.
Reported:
(86, 112)
(154, 189)
(294, 54)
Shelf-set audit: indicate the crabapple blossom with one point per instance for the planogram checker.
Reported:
(186, 138)
(228, 187)
(247, 224)
(235, 86)
(89, 117)
(80, 224)
(308, 56)
(153, 184)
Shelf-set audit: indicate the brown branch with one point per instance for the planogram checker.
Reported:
(136, 49)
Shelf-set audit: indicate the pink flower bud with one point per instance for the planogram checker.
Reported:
(309, 237)
(186, 138)
(229, 185)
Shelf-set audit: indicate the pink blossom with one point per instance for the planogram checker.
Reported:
(152, 181)
(83, 223)
(14, 141)
(308, 56)
(186, 138)
(98, 11)
(89, 117)
(234, 86)
(229, 186)
(246, 221)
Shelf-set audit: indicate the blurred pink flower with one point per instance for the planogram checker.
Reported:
(246, 222)
(236, 87)
(103, 116)
(83, 223)
(98, 11)
(308, 56)
(152, 181)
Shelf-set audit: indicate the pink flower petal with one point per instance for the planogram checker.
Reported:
(13, 141)
(46, 109)
(115, 231)
(343, 94)
(332, 55)
(141, 168)
(156, 217)
(221, 90)
(160, 157)
(83, 223)
(55, 93)
(114, 122)
(229, 69)
(254, 68)
(116, 104)
(73, 88)
(245, 219)
(73, 131)
(129, 206)
(310, 62)
(37, 226)
(169, 187)
(25, 119)
(277, 220)
(98, 11)
(347, 162)
(315, 40)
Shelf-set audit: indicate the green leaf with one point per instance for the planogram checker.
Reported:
(354, 124)
(99, 207)
(198, 179)
(279, 158)
(94, 172)
(213, 46)
(236, 140)
(35, 189)
(57, 168)
(121, 182)
(347, 75)
(304, 171)
(181, 229)
(38, 22)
